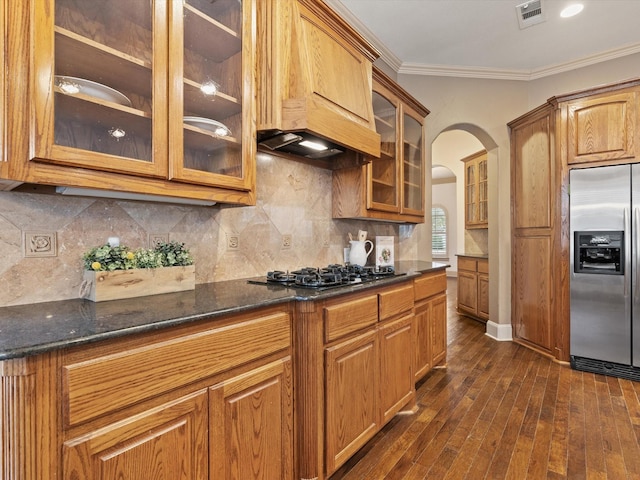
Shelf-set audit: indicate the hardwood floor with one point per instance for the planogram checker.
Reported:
(501, 411)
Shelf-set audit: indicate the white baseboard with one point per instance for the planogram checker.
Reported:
(499, 331)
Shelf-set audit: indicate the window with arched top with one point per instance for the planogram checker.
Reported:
(438, 232)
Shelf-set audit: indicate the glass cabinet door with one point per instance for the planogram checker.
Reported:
(413, 165)
(99, 83)
(211, 76)
(383, 172)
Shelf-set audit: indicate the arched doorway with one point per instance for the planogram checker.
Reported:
(447, 149)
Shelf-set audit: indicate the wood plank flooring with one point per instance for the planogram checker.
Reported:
(502, 411)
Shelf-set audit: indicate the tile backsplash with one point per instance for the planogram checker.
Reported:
(43, 236)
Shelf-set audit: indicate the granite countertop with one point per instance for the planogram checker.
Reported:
(40, 327)
(484, 256)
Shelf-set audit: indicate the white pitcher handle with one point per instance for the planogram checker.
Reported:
(370, 247)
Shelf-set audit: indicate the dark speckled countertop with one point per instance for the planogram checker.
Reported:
(41, 327)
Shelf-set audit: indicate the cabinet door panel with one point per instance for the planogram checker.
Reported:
(532, 174)
(422, 340)
(396, 367)
(101, 102)
(352, 416)
(532, 315)
(601, 129)
(211, 76)
(468, 292)
(166, 443)
(439, 330)
(483, 296)
(251, 425)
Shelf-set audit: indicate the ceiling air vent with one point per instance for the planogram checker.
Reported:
(530, 13)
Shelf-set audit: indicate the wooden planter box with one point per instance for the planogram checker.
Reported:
(139, 282)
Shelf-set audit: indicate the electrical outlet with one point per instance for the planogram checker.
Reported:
(286, 241)
(233, 242)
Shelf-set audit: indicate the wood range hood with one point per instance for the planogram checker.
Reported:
(314, 81)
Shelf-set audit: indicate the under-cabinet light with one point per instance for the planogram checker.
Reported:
(90, 192)
(313, 145)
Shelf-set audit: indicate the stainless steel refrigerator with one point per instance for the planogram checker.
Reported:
(605, 275)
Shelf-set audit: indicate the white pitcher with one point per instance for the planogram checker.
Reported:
(359, 253)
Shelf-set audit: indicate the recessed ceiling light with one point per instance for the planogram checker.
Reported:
(571, 10)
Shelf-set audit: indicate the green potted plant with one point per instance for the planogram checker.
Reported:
(115, 272)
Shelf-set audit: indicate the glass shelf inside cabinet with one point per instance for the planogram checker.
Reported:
(103, 77)
(212, 86)
(384, 184)
(412, 164)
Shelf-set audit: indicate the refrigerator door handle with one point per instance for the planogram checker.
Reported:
(627, 274)
(636, 247)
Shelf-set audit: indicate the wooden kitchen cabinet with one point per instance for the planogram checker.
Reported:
(170, 440)
(351, 397)
(536, 259)
(212, 399)
(430, 337)
(397, 386)
(124, 97)
(251, 425)
(476, 193)
(602, 129)
(390, 187)
(473, 287)
(356, 373)
(369, 376)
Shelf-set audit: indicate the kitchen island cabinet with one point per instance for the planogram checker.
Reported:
(153, 98)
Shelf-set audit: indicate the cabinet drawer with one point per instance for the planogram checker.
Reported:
(483, 266)
(350, 316)
(465, 263)
(429, 285)
(95, 386)
(396, 301)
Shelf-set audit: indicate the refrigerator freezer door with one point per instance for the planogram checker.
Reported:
(600, 199)
(635, 248)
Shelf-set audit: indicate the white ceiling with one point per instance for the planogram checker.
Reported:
(482, 38)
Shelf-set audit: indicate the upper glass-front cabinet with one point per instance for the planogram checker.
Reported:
(213, 84)
(149, 88)
(383, 171)
(412, 165)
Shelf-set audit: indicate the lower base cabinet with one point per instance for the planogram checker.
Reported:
(211, 400)
(473, 287)
(251, 425)
(430, 338)
(165, 443)
(351, 405)
(357, 358)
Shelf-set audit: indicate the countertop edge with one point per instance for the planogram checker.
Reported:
(79, 321)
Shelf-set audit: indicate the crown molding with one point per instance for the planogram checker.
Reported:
(397, 65)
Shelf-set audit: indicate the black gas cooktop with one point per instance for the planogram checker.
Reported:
(331, 276)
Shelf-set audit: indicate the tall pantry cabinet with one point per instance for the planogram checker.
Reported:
(584, 129)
